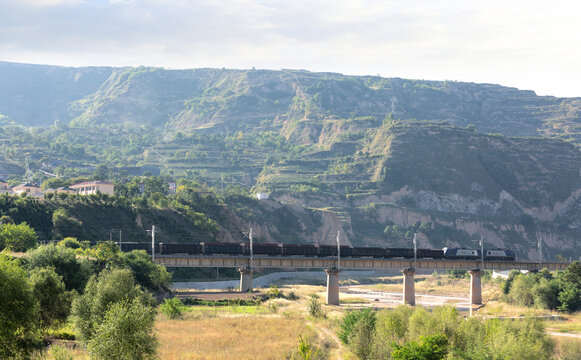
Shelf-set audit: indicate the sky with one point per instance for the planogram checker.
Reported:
(531, 45)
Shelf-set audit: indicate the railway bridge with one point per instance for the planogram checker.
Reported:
(332, 266)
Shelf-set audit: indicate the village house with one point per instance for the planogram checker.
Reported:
(94, 187)
(4, 188)
(28, 188)
(262, 196)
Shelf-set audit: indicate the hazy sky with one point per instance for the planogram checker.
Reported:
(531, 44)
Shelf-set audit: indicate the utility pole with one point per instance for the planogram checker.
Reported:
(482, 252)
(415, 251)
(338, 251)
(153, 243)
(120, 241)
(250, 235)
(540, 247)
(111, 235)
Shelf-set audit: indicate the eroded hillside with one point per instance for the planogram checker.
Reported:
(377, 158)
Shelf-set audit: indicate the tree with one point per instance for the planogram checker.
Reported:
(155, 184)
(349, 321)
(147, 274)
(126, 332)
(101, 172)
(17, 311)
(361, 335)
(54, 183)
(53, 300)
(19, 237)
(102, 292)
(75, 272)
(390, 327)
(64, 224)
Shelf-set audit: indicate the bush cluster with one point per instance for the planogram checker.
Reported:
(416, 334)
(544, 290)
(105, 291)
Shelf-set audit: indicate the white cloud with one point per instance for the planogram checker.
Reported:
(528, 44)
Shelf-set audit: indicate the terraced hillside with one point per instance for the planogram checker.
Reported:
(377, 158)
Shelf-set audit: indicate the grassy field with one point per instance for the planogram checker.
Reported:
(271, 330)
(226, 337)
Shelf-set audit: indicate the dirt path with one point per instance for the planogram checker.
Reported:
(569, 335)
(328, 334)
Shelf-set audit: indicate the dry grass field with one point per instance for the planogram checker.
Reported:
(226, 337)
(271, 330)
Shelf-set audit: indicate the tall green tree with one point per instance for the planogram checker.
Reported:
(147, 274)
(54, 302)
(126, 333)
(103, 291)
(75, 272)
(18, 326)
(19, 237)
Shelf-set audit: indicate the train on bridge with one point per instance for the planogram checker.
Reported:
(260, 249)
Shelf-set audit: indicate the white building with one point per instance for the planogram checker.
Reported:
(262, 196)
(93, 187)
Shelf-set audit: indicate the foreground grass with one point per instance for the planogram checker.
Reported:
(571, 324)
(241, 337)
(271, 330)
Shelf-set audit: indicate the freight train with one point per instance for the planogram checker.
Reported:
(243, 249)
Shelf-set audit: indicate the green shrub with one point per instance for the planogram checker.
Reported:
(306, 350)
(314, 307)
(350, 320)
(173, 308)
(433, 347)
(292, 296)
(415, 331)
(274, 292)
(70, 242)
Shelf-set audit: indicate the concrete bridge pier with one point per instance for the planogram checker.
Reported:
(245, 279)
(332, 286)
(475, 287)
(409, 290)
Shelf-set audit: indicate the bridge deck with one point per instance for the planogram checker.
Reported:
(280, 262)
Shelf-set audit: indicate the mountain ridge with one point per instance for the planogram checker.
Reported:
(377, 158)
